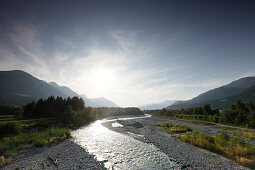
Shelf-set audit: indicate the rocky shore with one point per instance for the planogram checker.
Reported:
(66, 155)
(188, 156)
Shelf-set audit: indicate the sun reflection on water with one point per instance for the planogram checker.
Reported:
(120, 151)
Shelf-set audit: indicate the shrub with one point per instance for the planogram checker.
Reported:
(175, 128)
(40, 142)
(234, 148)
(9, 128)
(35, 138)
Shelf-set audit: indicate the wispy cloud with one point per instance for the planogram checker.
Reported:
(145, 67)
(23, 37)
(125, 39)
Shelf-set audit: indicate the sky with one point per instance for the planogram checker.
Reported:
(132, 52)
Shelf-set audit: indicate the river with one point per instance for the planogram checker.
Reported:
(120, 151)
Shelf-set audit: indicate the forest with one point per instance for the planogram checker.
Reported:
(238, 114)
(69, 111)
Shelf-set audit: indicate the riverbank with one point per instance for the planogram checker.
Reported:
(65, 155)
(188, 156)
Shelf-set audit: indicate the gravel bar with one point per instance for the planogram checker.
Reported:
(188, 156)
(66, 155)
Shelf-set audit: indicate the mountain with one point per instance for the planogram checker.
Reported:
(216, 96)
(243, 83)
(247, 95)
(89, 102)
(98, 102)
(19, 88)
(66, 90)
(155, 106)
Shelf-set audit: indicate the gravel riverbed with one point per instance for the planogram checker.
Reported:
(68, 155)
(72, 156)
(188, 156)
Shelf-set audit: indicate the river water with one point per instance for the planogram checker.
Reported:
(120, 151)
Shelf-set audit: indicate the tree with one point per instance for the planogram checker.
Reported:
(67, 116)
(39, 108)
(29, 109)
(207, 109)
(77, 103)
(251, 119)
(240, 118)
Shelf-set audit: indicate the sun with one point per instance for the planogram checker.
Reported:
(102, 78)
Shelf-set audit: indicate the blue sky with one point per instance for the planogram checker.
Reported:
(131, 52)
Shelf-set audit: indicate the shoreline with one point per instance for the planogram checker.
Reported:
(188, 156)
(73, 156)
(68, 154)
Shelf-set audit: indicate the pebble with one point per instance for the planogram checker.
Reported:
(68, 154)
(186, 155)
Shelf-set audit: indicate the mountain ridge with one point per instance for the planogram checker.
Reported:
(18, 87)
(158, 105)
(218, 94)
(89, 102)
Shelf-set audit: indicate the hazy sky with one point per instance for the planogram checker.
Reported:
(131, 52)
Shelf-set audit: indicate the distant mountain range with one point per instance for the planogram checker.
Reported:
(155, 106)
(18, 88)
(222, 97)
(91, 102)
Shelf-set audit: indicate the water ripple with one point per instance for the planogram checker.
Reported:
(120, 151)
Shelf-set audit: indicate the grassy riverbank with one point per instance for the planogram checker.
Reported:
(188, 156)
(175, 128)
(231, 147)
(20, 135)
(37, 138)
(231, 142)
(45, 122)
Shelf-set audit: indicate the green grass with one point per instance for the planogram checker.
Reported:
(5, 116)
(7, 119)
(175, 128)
(244, 133)
(35, 138)
(231, 147)
(19, 135)
(249, 134)
(13, 118)
(16, 127)
(198, 122)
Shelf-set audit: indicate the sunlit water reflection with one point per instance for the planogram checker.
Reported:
(120, 151)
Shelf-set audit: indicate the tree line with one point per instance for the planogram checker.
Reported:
(53, 107)
(72, 110)
(239, 114)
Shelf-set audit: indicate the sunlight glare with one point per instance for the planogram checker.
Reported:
(102, 78)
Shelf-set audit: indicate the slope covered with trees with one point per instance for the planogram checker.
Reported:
(238, 114)
(223, 96)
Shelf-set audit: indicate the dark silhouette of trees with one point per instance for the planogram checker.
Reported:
(207, 109)
(29, 110)
(72, 111)
(62, 109)
(11, 110)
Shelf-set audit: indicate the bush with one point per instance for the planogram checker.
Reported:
(175, 128)
(9, 128)
(40, 142)
(35, 138)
